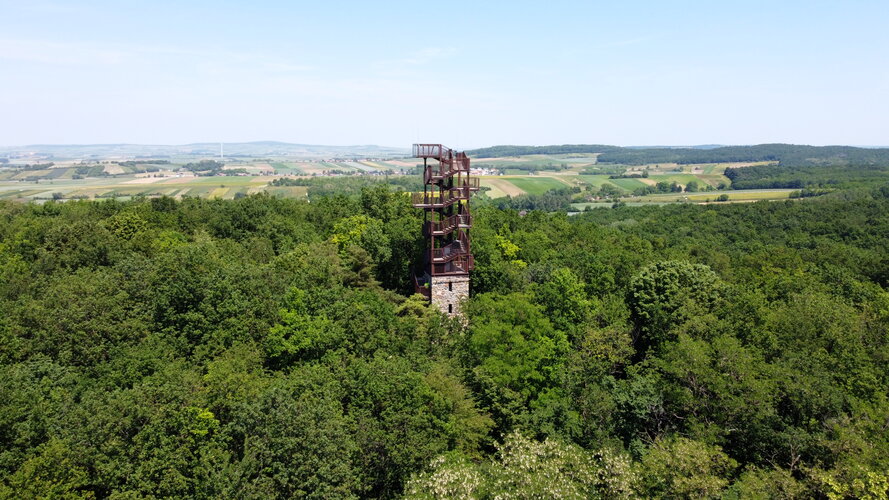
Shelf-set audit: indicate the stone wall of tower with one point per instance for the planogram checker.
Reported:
(448, 293)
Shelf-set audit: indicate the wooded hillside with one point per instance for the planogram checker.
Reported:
(268, 348)
(784, 154)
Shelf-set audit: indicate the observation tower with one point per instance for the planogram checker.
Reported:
(444, 277)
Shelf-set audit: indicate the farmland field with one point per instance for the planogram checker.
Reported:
(521, 164)
(597, 180)
(628, 184)
(740, 196)
(129, 186)
(285, 168)
(535, 184)
(500, 187)
(525, 175)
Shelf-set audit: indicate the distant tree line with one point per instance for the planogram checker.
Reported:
(784, 154)
(88, 171)
(808, 193)
(204, 167)
(643, 175)
(35, 166)
(131, 163)
(798, 177)
(672, 187)
(554, 200)
(497, 151)
(600, 169)
(660, 187)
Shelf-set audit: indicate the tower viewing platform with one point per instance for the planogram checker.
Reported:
(444, 276)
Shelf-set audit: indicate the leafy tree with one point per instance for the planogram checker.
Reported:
(53, 472)
(295, 441)
(564, 299)
(516, 357)
(766, 483)
(530, 469)
(301, 334)
(667, 294)
(684, 468)
(726, 393)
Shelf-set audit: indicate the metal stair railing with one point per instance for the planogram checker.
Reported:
(447, 226)
(436, 200)
(458, 247)
(460, 265)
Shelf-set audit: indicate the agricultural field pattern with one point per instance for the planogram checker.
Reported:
(500, 177)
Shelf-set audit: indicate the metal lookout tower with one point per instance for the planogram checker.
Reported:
(444, 278)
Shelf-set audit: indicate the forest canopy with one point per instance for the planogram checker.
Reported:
(271, 348)
(833, 176)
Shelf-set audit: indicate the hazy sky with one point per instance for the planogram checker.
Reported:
(468, 74)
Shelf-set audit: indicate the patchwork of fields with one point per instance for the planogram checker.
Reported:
(531, 175)
(539, 183)
(130, 186)
(72, 180)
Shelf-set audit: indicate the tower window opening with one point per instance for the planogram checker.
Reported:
(450, 286)
(450, 308)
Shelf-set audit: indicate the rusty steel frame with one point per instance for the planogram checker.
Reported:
(447, 218)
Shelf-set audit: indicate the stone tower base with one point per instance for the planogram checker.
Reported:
(448, 293)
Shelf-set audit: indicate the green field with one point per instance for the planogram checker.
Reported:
(535, 184)
(628, 184)
(743, 195)
(740, 196)
(596, 180)
(286, 168)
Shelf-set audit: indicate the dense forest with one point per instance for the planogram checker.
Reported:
(497, 151)
(784, 154)
(832, 176)
(269, 348)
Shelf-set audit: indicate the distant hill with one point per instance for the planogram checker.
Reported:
(784, 154)
(205, 149)
(498, 151)
(660, 146)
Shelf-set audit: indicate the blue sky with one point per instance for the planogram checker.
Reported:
(468, 74)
